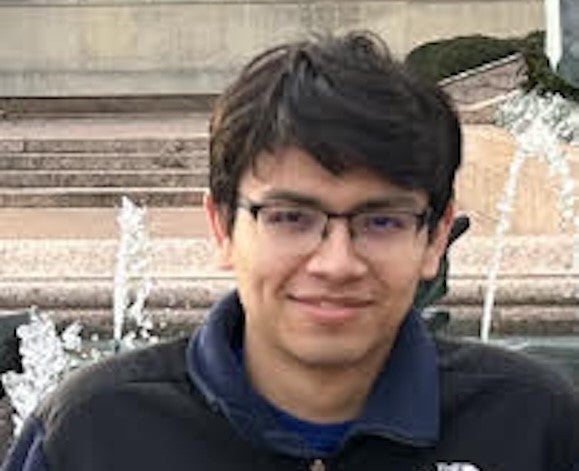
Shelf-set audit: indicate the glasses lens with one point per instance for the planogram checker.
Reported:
(291, 221)
(383, 224)
(378, 232)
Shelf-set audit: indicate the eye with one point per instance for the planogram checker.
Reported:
(289, 218)
(383, 222)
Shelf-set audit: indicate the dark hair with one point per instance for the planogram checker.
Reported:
(349, 104)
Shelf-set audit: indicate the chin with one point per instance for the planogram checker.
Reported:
(330, 356)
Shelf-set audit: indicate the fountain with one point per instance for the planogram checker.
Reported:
(542, 125)
(539, 124)
(132, 281)
(45, 361)
(47, 357)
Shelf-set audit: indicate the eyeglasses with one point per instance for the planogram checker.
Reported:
(300, 229)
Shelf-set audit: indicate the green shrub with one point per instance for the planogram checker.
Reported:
(442, 59)
(540, 76)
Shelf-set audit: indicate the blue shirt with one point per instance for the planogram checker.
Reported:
(323, 438)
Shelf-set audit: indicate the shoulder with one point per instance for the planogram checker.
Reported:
(469, 368)
(458, 357)
(504, 393)
(160, 364)
(471, 358)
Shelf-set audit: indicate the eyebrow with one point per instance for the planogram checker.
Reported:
(393, 201)
(291, 197)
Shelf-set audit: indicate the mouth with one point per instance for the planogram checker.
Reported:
(330, 309)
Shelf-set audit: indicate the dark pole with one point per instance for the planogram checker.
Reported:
(563, 38)
(9, 344)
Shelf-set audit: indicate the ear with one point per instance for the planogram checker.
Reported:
(438, 244)
(217, 219)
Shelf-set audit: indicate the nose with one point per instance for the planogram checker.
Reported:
(335, 258)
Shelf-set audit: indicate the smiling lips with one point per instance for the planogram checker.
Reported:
(331, 309)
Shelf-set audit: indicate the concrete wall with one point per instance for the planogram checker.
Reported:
(488, 153)
(52, 48)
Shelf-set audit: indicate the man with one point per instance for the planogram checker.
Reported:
(331, 184)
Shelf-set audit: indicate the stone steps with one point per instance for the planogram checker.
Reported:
(99, 196)
(62, 161)
(94, 161)
(73, 279)
(181, 303)
(517, 320)
(65, 275)
(119, 144)
(103, 178)
(96, 293)
(198, 290)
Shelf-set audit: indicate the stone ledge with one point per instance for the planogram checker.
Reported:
(532, 304)
(519, 320)
(193, 257)
(202, 291)
(547, 289)
(97, 293)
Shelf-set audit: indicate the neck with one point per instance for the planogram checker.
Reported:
(319, 394)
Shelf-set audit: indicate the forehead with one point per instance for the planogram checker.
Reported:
(293, 171)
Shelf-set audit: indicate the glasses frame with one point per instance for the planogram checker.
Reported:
(422, 218)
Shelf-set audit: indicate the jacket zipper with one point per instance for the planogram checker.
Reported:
(317, 465)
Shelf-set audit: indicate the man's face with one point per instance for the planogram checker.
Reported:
(332, 306)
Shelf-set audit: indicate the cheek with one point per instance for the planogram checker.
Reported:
(399, 278)
(422, 261)
(259, 273)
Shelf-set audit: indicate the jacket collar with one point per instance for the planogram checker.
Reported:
(403, 405)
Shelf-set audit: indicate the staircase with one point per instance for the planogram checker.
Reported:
(93, 161)
(61, 181)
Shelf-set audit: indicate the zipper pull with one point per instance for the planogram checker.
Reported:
(317, 465)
